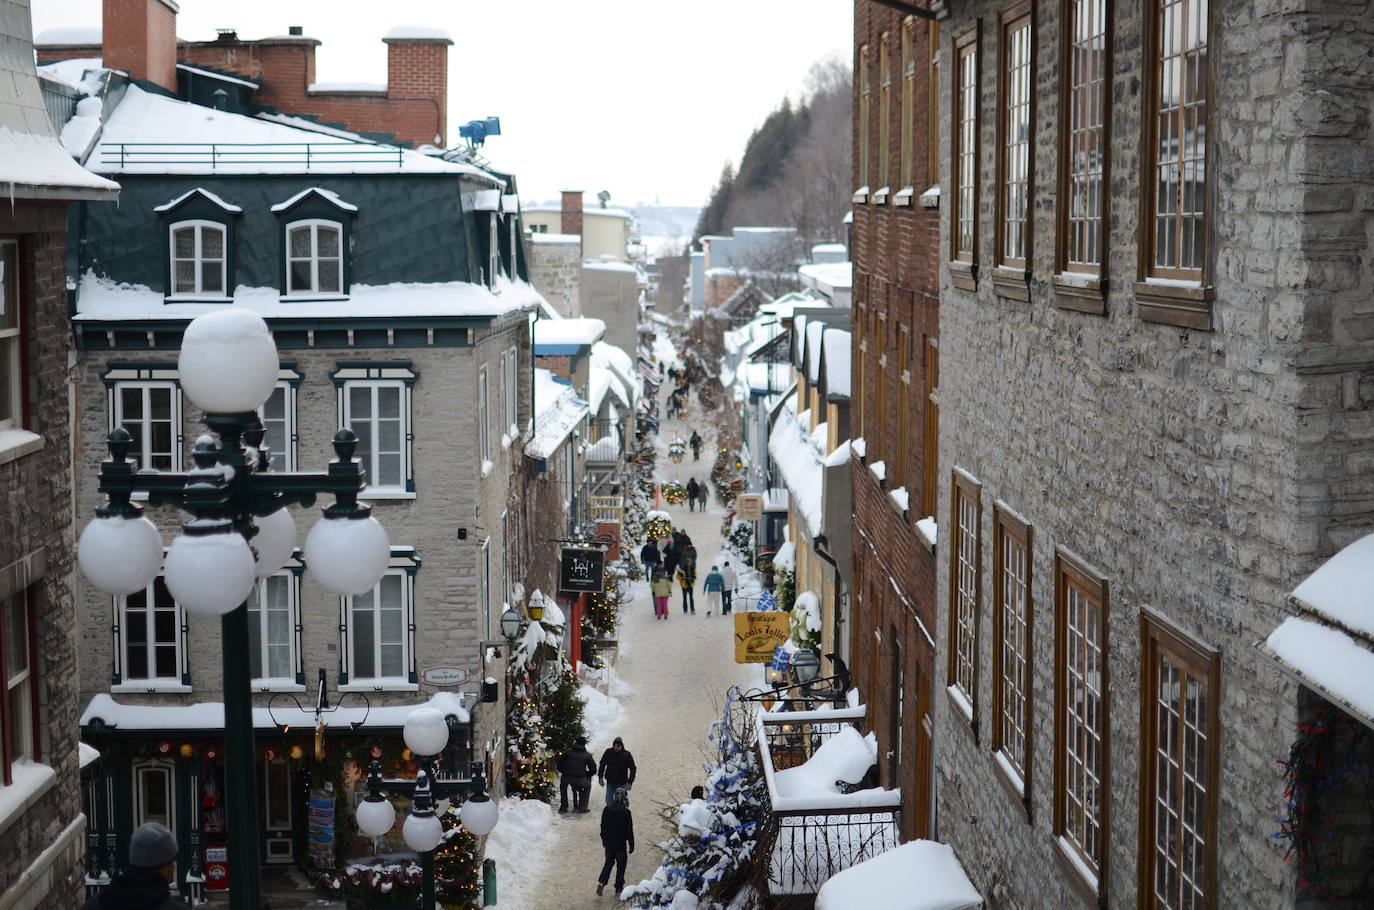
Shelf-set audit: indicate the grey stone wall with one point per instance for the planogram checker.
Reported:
(1204, 473)
(612, 295)
(555, 272)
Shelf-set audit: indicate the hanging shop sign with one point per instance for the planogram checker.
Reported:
(749, 506)
(758, 635)
(581, 571)
(445, 676)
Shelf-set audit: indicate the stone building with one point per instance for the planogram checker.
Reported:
(41, 825)
(1155, 411)
(895, 235)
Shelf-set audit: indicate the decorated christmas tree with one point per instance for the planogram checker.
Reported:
(562, 709)
(529, 765)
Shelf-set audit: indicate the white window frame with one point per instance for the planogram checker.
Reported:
(510, 389)
(406, 682)
(12, 336)
(284, 459)
(176, 683)
(486, 589)
(484, 414)
(314, 259)
(140, 452)
(370, 458)
(493, 250)
(293, 682)
(198, 259)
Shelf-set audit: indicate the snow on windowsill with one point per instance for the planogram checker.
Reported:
(1013, 776)
(277, 685)
(879, 469)
(858, 446)
(956, 695)
(929, 530)
(386, 494)
(1070, 854)
(381, 684)
(18, 443)
(487, 466)
(158, 688)
(31, 781)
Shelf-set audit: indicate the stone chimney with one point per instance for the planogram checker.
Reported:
(572, 212)
(140, 37)
(417, 69)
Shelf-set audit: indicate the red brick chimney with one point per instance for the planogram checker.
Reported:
(572, 212)
(140, 37)
(417, 68)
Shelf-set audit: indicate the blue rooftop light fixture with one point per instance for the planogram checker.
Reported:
(477, 131)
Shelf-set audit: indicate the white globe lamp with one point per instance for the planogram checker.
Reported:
(423, 831)
(210, 574)
(479, 814)
(120, 554)
(375, 817)
(228, 361)
(426, 732)
(274, 542)
(348, 556)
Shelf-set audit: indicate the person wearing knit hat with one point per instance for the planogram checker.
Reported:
(153, 853)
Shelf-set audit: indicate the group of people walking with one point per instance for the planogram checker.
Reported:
(616, 772)
(678, 559)
(697, 494)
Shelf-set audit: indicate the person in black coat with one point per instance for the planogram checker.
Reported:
(616, 770)
(693, 488)
(617, 839)
(152, 857)
(577, 768)
(671, 556)
(650, 558)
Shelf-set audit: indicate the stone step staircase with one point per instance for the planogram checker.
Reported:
(284, 888)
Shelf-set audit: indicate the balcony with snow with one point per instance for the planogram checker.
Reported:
(828, 813)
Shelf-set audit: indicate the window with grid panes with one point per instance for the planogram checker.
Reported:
(1178, 99)
(484, 414)
(314, 257)
(908, 152)
(930, 451)
(964, 214)
(1180, 727)
(898, 468)
(18, 645)
(1083, 153)
(151, 412)
(965, 581)
(375, 411)
(198, 259)
(877, 444)
(378, 636)
(1011, 635)
(1080, 723)
(865, 108)
(884, 111)
(150, 624)
(272, 623)
(933, 104)
(278, 416)
(1014, 164)
(11, 339)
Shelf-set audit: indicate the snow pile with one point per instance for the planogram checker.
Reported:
(879, 469)
(814, 332)
(693, 819)
(82, 73)
(1339, 590)
(837, 381)
(33, 160)
(558, 411)
(78, 132)
(806, 611)
(525, 832)
(846, 756)
(580, 332)
(918, 875)
(1330, 660)
(839, 456)
(800, 460)
(417, 33)
(929, 528)
(859, 446)
(602, 714)
(786, 557)
(658, 513)
(901, 498)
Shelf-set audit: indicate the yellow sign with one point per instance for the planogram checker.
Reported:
(757, 634)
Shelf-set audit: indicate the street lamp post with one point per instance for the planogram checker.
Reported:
(426, 736)
(239, 531)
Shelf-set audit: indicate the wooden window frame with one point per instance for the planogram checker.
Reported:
(933, 103)
(858, 397)
(898, 705)
(906, 176)
(900, 471)
(1171, 294)
(964, 700)
(15, 338)
(876, 445)
(884, 190)
(964, 260)
(1069, 571)
(1008, 526)
(931, 443)
(1158, 637)
(1011, 274)
(861, 156)
(1082, 286)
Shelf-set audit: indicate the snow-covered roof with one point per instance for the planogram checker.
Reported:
(785, 305)
(210, 715)
(69, 34)
(38, 166)
(555, 239)
(219, 77)
(557, 412)
(814, 332)
(801, 461)
(835, 275)
(837, 355)
(99, 299)
(320, 88)
(137, 132)
(609, 265)
(82, 73)
(918, 875)
(86, 753)
(763, 377)
(417, 33)
(597, 212)
(1329, 646)
(578, 332)
(621, 367)
(607, 448)
(199, 191)
(328, 195)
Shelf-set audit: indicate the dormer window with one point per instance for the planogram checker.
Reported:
(314, 257)
(198, 259)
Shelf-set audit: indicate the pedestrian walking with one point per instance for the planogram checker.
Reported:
(617, 839)
(650, 557)
(696, 445)
(671, 557)
(692, 489)
(661, 588)
(617, 769)
(689, 554)
(687, 579)
(703, 493)
(576, 767)
(143, 886)
(713, 585)
(727, 592)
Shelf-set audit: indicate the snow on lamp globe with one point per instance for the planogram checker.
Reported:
(426, 732)
(228, 361)
(209, 569)
(120, 551)
(275, 541)
(375, 816)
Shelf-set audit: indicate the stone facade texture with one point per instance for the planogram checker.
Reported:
(896, 305)
(1203, 473)
(556, 272)
(40, 865)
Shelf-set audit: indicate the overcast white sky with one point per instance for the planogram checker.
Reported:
(645, 99)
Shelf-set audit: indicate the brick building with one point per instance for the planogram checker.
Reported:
(41, 825)
(895, 355)
(139, 37)
(1155, 420)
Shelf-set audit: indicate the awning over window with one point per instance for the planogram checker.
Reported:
(1329, 644)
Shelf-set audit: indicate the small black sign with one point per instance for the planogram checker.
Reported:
(581, 571)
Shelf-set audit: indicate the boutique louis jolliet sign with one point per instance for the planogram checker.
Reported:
(580, 570)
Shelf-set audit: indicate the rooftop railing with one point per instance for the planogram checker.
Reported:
(231, 155)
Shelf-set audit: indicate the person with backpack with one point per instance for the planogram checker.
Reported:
(713, 585)
(617, 839)
(687, 579)
(576, 767)
(727, 592)
(650, 558)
